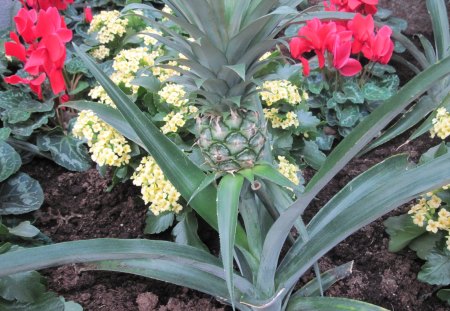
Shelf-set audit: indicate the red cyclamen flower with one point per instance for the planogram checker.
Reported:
(45, 4)
(315, 36)
(379, 47)
(342, 62)
(357, 6)
(88, 14)
(362, 28)
(46, 52)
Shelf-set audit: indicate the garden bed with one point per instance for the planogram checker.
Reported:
(78, 207)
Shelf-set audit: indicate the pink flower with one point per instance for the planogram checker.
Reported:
(379, 47)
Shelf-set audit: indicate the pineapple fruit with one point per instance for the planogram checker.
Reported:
(233, 142)
(228, 37)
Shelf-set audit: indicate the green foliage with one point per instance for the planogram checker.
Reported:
(344, 102)
(428, 245)
(430, 55)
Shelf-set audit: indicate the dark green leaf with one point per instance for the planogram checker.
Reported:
(307, 121)
(444, 295)
(22, 287)
(330, 303)
(10, 161)
(436, 271)
(185, 232)
(66, 150)
(157, 224)
(402, 231)
(312, 155)
(47, 301)
(227, 213)
(425, 244)
(4, 133)
(20, 194)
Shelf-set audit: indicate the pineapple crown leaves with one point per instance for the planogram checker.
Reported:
(229, 38)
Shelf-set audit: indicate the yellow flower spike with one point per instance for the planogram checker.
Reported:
(106, 145)
(156, 190)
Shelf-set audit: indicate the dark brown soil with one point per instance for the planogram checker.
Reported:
(77, 207)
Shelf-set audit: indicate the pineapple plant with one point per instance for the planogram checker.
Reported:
(227, 39)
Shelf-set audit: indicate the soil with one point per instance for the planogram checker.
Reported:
(77, 206)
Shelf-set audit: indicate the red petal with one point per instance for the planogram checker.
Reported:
(15, 79)
(351, 68)
(16, 50)
(54, 47)
(57, 81)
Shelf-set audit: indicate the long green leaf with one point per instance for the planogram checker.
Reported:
(384, 197)
(408, 120)
(99, 249)
(330, 303)
(344, 152)
(177, 167)
(227, 213)
(441, 30)
(171, 272)
(328, 278)
(355, 190)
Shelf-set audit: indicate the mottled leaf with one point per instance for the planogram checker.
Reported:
(10, 161)
(22, 287)
(66, 150)
(20, 194)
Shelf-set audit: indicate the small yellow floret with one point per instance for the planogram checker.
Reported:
(108, 25)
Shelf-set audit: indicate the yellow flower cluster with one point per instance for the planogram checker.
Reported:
(280, 91)
(106, 145)
(175, 96)
(149, 40)
(155, 188)
(428, 211)
(126, 64)
(175, 120)
(108, 26)
(101, 52)
(288, 169)
(278, 120)
(165, 73)
(441, 124)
